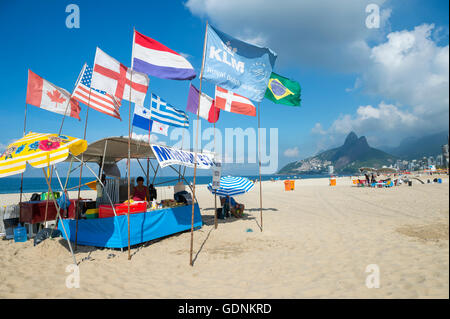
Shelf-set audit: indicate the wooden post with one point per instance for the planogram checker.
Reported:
(196, 145)
(215, 193)
(259, 162)
(21, 175)
(81, 172)
(68, 102)
(129, 146)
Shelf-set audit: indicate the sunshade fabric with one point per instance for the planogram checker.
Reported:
(232, 186)
(39, 150)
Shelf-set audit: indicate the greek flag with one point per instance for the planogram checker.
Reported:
(165, 113)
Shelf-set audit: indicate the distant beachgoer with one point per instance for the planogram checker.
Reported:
(367, 178)
(373, 178)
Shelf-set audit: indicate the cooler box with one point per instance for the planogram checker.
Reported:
(121, 209)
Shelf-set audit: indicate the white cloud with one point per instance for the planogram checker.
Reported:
(144, 137)
(328, 33)
(292, 152)
(411, 70)
(318, 129)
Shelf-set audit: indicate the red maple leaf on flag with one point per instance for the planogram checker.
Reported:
(55, 96)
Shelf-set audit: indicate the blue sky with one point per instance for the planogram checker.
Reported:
(324, 45)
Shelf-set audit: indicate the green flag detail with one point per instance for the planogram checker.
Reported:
(281, 90)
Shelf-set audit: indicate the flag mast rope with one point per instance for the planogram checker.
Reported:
(259, 164)
(195, 150)
(129, 146)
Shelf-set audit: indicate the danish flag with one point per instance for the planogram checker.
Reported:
(115, 78)
(232, 102)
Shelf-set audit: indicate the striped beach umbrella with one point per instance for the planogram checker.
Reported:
(232, 186)
(38, 150)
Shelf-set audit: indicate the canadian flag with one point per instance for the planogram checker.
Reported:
(232, 102)
(47, 96)
(115, 78)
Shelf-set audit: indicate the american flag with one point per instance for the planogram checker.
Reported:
(98, 100)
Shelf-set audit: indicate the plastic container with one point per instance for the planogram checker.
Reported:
(332, 181)
(20, 234)
(439, 180)
(287, 185)
(92, 213)
(292, 185)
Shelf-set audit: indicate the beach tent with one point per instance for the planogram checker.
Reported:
(144, 226)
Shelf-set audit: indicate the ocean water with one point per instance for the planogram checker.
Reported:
(38, 185)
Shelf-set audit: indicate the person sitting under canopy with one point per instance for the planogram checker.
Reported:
(234, 207)
(140, 192)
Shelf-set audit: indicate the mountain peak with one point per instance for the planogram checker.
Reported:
(363, 141)
(351, 138)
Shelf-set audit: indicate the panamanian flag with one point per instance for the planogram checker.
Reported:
(141, 119)
(155, 59)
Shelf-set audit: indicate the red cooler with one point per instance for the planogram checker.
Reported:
(121, 209)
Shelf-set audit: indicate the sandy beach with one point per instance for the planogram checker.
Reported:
(317, 243)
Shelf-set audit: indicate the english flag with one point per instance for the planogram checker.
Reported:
(232, 102)
(155, 59)
(113, 77)
(47, 96)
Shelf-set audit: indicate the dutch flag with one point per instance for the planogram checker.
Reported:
(155, 59)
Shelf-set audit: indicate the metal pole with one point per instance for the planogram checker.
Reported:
(196, 145)
(59, 216)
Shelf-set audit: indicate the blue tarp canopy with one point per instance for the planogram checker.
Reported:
(112, 232)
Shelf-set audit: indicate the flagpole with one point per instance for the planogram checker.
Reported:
(215, 193)
(259, 164)
(129, 145)
(81, 169)
(21, 175)
(196, 145)
(149, 131)
(68, 102)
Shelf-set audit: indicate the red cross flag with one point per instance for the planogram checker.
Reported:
(113, 77)
(232, 102)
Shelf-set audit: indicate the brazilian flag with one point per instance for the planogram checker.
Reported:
(281, 90)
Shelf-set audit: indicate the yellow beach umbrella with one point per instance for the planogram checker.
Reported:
(39, 150)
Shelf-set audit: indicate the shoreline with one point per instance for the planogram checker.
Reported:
(317, 242)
